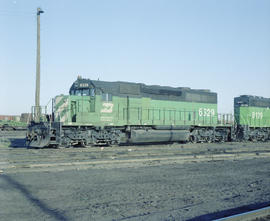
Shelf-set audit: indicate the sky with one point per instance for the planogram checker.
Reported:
(221, 45)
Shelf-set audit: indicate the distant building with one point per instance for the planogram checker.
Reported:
(10, 117)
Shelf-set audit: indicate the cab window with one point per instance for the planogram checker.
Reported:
(92, 92)
(81, 92)
(85, 92)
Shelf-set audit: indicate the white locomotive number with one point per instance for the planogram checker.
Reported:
(257, 115)
(107, 108)
(84, 85)
(206, 112)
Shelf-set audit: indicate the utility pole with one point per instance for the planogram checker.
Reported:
(37, 97)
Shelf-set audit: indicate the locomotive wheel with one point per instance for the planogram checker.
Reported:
(209, 140)
(193, 139)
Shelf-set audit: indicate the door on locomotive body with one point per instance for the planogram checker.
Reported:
(73, 111)
(137, 111)
(106, 110)
(144, 117)
(83, 106)
(92, 100)
(131, 110)
(87, 107)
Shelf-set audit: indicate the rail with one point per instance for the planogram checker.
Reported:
(252, 215)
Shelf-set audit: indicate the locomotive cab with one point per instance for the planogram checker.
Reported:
(82, 87)
(82, 91)
(78, 106)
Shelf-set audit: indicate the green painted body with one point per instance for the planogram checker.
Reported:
(122, 111)
(252, 116)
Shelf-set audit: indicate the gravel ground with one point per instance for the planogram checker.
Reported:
(163, 182)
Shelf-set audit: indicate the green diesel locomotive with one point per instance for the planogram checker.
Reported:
(252, 118)
(107, 113)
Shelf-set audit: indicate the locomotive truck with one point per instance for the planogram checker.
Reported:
(113, 113)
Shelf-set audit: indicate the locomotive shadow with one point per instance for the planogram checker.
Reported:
(231, 212)
(13, 139)
(17, 143)
(36, 202)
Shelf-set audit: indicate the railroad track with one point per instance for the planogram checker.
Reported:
(14, 159)
(258, 215)
(40, 160)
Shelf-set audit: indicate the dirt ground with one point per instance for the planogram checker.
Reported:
(154, 182)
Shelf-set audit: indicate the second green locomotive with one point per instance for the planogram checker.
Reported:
(252, 118)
